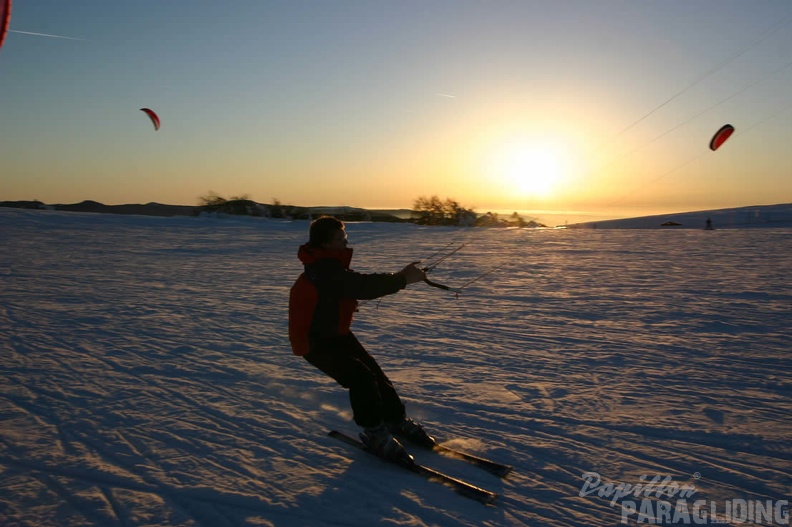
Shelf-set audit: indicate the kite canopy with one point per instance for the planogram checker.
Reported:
(5, 19)
(153, 116)
(721, 136)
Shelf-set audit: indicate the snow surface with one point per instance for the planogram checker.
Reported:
(147, 378)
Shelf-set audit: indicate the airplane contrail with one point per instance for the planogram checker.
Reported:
(446, 95)
(43, 34)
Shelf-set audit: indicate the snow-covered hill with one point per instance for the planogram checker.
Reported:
(753, 217)
(146, 376)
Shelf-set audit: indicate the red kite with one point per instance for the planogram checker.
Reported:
(720, 136)
(153, 116)
(5, 19)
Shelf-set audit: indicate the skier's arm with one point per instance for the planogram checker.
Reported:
(368, 286)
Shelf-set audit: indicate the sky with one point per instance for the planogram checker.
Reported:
(601, 108)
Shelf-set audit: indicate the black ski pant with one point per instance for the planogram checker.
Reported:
(372, 395)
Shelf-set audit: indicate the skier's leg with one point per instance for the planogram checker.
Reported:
(392, 407)
(339, 359)
(393, 410)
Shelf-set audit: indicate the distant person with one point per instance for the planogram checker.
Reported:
(321, 304)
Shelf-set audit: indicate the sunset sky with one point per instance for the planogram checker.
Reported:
(602, 107)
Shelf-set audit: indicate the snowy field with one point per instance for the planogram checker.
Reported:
(147, 380)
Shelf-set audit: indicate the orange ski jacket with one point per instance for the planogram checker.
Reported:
(324, 297)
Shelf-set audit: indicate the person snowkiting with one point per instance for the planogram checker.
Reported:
(322, 302)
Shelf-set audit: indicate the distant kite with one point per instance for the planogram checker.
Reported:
(721, 136)
(153, 116)
(5, 19)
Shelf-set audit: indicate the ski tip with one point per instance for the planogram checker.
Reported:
(485, 497)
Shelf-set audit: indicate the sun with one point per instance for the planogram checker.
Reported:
(530, 170)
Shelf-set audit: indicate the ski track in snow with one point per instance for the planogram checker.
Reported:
(147, 377)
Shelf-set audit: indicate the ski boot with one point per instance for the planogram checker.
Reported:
(379, 441)
(412, 432)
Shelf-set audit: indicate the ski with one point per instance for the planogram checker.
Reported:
(462, 487)
(493, 467)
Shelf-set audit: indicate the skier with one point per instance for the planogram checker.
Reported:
(321, 305)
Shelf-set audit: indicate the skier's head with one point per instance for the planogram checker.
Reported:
(327, 232)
